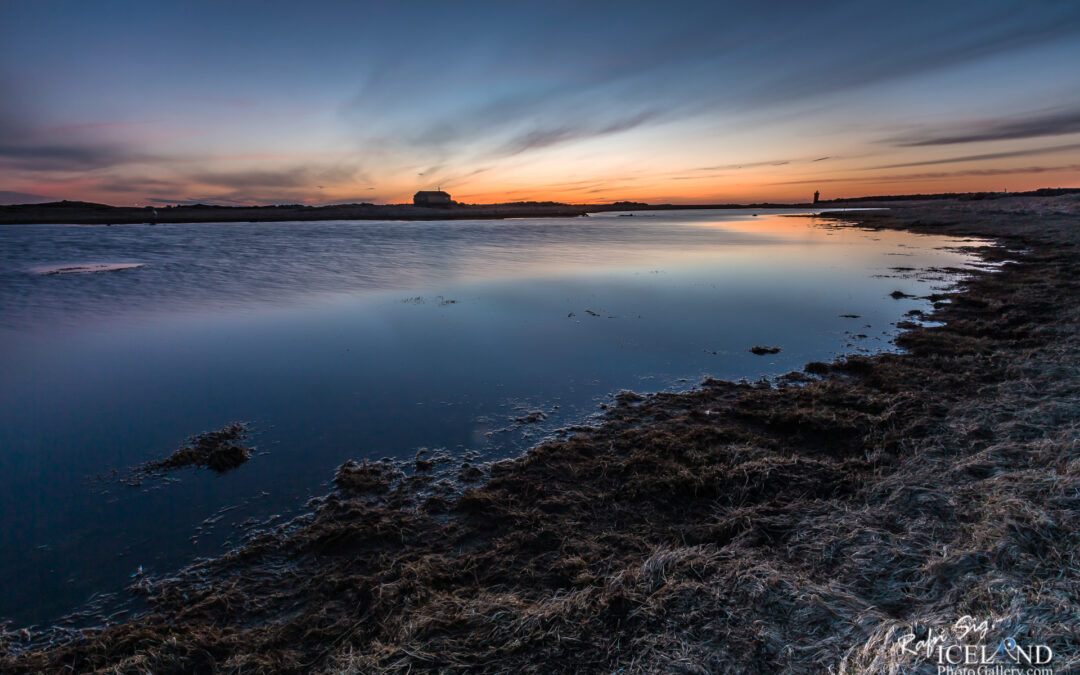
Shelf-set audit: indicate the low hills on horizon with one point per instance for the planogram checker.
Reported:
(77, 212)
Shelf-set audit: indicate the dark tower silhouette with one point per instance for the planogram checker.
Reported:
(817, 195)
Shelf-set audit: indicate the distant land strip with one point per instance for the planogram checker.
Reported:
(87, 213)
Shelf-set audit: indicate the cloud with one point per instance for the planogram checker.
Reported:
(62, 157)
(986, 156)
(901, 178)
(547, 136)
(25, 147)
(294, 177)
(11, 197)
(454, 179)
(174, 200)
(502, 88)
(1035, 126)
(919, 38)
(135, 185)
(747, 165)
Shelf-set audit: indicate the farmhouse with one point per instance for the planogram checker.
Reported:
(431, 198)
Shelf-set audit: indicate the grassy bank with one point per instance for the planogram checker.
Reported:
(793, 527)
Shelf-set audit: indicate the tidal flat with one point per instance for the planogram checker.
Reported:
(799, 524)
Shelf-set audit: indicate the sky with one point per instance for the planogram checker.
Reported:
(153, 103)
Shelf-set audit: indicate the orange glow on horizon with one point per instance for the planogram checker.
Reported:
(759, 187)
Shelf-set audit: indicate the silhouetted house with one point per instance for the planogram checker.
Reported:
(431, 198)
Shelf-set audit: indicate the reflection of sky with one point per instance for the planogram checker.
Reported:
(133, 102)
(314, 334)
(196, 269)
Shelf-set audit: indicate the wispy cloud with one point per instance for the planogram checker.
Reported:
(1056, 123)
(901, 178)
(135, 184)
(983, 157)
(547, 136)
(295, 177)
(26, 147)
(745, 165)
(13, 197)
(63, 157)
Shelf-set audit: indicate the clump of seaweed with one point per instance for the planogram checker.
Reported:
(627, 397)
(366, 477)
(532, 417)
(761, 350)
(218, 450)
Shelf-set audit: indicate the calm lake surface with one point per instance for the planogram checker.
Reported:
(353, 340)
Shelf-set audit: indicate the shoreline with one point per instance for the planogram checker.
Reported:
(791, 527)
(87, 213)
(80, 213)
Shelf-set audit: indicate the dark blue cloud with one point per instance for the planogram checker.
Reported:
(12, 197)
(1057, 123)
(1071, 147)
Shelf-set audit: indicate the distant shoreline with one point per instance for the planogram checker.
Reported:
(83, 213)
(87, 213)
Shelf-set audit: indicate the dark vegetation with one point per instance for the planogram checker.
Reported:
(761, 350)
(220, 450)
(215, 450)
(739, 527)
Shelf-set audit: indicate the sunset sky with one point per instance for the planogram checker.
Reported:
(321, 102)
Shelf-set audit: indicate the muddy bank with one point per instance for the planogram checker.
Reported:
(789, 527)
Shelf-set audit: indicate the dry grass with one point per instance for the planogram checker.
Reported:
(736, 528)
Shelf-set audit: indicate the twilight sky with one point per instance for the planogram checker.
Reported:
(318, 102)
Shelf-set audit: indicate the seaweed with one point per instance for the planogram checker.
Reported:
(220, 451)
(761, 350)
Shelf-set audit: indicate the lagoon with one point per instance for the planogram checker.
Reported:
(354, 340)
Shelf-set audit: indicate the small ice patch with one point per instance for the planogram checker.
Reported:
(88, 268)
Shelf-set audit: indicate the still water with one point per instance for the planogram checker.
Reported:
(352, 340)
